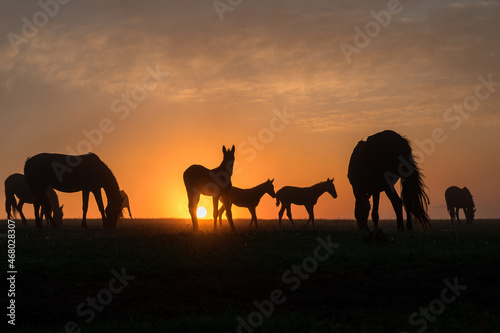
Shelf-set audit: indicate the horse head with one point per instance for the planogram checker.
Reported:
(469, 214)
(270, 188)
(330, 188)
(112, 211)
(57, 215)
(228, 160)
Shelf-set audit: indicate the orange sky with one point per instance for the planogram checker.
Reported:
(158, 86)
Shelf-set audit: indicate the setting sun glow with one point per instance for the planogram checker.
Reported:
(201, 212)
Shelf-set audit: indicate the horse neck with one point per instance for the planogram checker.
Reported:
(318, 189)
(260, 190)
(224, 166)
(54, 200)
(111, 188)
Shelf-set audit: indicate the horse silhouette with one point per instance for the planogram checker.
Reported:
(15, 185)
(215, 183)
(305, 196)
(125, 203)
(66, 173)
(457, 198)
(375, 166)
(249, 198)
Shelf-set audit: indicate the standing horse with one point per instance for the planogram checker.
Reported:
(65, 173)
(249, 198)
(16, 185)
(305, 196)
(215, 183)
(457, 198)
(125, 203)
(375, 166)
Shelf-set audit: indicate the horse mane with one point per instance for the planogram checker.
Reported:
(318, 184)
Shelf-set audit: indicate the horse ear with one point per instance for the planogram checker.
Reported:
(61, 207)
(233, 149)
(224, 149)
(272, 180)
(474, 210)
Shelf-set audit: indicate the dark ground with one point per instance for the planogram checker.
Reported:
(190, 283)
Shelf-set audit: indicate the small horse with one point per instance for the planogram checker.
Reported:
(215, 183)
(305, 196)
(375, 166)
(249, 198)
(66, 173)
(125, 203)
(457, 198)
(16, 185)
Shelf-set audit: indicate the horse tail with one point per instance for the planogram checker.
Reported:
(10, 203)
(415, 199)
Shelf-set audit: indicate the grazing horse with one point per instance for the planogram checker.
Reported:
(215, 183)
(457, 198)
(305, 196)
(375, 166)
(66, 173)
(249, 198)
(125, 203)
(16, 185)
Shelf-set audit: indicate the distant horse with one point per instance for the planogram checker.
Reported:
(16, 185)
(305, 196)
(215, 183)
(457, 198)
(375, 166)
(66, 173)
(249, 198)
(125, 203)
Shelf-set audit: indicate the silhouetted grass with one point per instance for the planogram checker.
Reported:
(203, 282)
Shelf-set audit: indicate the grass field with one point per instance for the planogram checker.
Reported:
(157, 276)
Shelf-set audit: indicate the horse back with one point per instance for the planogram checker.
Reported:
(458, 197)
(295, 195)
(244, 197)
(16, 184)
(65, 173)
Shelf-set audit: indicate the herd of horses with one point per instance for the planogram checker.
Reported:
(375, 166)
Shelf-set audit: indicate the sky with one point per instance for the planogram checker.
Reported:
(155, 86)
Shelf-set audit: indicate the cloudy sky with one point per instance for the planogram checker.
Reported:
(155, 86)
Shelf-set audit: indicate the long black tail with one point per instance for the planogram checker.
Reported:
(10, 203)
(415, 199)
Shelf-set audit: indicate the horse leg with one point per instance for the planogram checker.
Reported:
(193, 198)
(20, 210)
(254, 217)
(98, 199)
(458, 217)
(375, 216)
(397, 204)
(221, 211)
(310, 210)
(215, 211)
(38, 222)
(85, 206)
(451, 211)
(280, 215)
(47, 210)
(409, 225)
(289, 214)
(226, 200)
(129, 213)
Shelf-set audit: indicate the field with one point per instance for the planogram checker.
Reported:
(157, 276)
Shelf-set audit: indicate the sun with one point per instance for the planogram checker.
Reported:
(201, 212)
